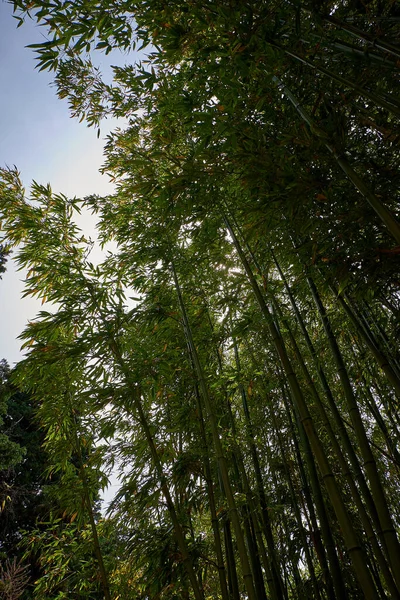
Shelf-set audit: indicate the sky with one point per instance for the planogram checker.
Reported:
(39, 137)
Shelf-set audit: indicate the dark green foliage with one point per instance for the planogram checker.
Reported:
(10, 451)
(21, 483)
(3, 259)
(23, 486)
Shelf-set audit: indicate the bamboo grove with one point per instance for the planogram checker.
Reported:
(234, 355)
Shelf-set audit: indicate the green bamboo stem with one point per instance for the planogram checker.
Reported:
(96, 543)
(378, 495)
(383, 213)
(362, 35)
(373, 408)
(89, 507)
(335, 412)
(361, 509)
(347, 444)
(337, 579)
(250, 520)
(180, 537)
(367, 316)
(283, 539)
(174, 518)
(262, 552)
(135, 394)
(355, 552)
(270, 564)
(244, 486)
(270, 578)
(320, 541)
(249, 512)
(392, 106)
(238, 462)
(367, 336)
(222, 462)
(296, 509)
(233, 584)
(370, 39)
(274, 582)
(292, 558)
(349, 477)
(379, 336)
(249, 525)
(211, 500)
(278, 586)
(392, 416)
(211, 497)
(349, 50)
(230, 559)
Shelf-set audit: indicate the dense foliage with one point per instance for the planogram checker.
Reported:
(234, 355)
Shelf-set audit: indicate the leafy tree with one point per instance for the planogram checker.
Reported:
(11, 452)
(236, 354)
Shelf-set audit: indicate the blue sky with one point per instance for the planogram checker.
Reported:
(39, 137)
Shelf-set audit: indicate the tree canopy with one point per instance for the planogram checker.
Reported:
(234, 355)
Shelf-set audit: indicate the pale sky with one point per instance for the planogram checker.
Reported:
(39, 137)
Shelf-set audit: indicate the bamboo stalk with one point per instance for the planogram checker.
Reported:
(278, 586)
(180, 537)
(234, 515)
(383, 213)
(362, 35)
(211, 500)
(96, 543)
(392, 105)
(349, 476)
(230, 559)
(355, 552)
(368, 338)
(388, 530)
(295, 506)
